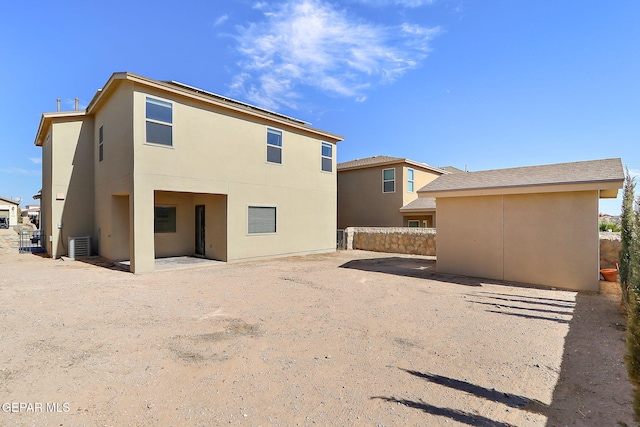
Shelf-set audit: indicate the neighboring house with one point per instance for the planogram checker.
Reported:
(32, 212)
(157, 169)
(9, 210)
(536, 225)
(378, 192)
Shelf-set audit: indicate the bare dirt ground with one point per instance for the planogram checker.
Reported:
(352, 338)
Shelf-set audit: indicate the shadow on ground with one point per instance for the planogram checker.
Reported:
(454, 414)
(102, 262)
(592, 387)
(420, 268)
(463, 417)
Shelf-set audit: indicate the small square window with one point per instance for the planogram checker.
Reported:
(164, 220)
(413, 223)
(261, 219)
(274, 146)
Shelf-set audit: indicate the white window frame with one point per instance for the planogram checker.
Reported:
(389, 180)
(159, 122)
(101, 143)
(275, 146)
(413, 221)
(323, 157)
(412, 181)
(256, 205)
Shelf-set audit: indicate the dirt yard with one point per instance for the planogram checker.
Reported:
(352, 338)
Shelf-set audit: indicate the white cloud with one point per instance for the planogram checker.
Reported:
(20, 171)
(221, 19)
(36, 160)
(403, 3)
(313, 44)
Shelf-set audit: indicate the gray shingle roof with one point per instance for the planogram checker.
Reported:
(606, 170)
(381, 160)
(420, 204)
(368, 161)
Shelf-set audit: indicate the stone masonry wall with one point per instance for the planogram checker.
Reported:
(610, 245)
(401, 240)
(9, 242)
(422, 241)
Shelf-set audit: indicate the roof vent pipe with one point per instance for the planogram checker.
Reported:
(58, 103)
(77, 101)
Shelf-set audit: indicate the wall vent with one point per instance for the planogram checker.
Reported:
(79, 247)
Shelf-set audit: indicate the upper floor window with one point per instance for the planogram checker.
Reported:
(410, 173)
(159, 116)
(274, 146)
(327, 157)
(100, 146)
(388, 180)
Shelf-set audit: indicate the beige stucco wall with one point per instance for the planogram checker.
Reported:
(114, 175)
(68, 191)
(361, 202)
(546, 239)
(218, 159)
(470, 236)
(420, 178)
(46, 201)
(224, 154)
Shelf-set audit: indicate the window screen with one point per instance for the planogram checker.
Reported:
(262, 219)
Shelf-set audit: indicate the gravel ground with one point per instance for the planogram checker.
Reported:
(351, 338)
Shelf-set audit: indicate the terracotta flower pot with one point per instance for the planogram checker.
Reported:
(610, 274)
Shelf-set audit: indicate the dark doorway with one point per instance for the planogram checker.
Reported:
(200, 243)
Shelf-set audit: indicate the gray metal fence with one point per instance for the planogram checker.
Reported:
(30, 241)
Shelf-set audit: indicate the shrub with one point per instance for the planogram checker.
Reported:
(632, 358)
(607, 225)
(628, 222)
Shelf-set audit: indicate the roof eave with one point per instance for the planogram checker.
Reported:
(210, 99)
(394, 162)
(13, 202)
(601, 185)
(47, 118)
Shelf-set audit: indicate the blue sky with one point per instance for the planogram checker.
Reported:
(482, 84)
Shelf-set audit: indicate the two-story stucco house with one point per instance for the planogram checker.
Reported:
(156, 169)
(382, 191)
